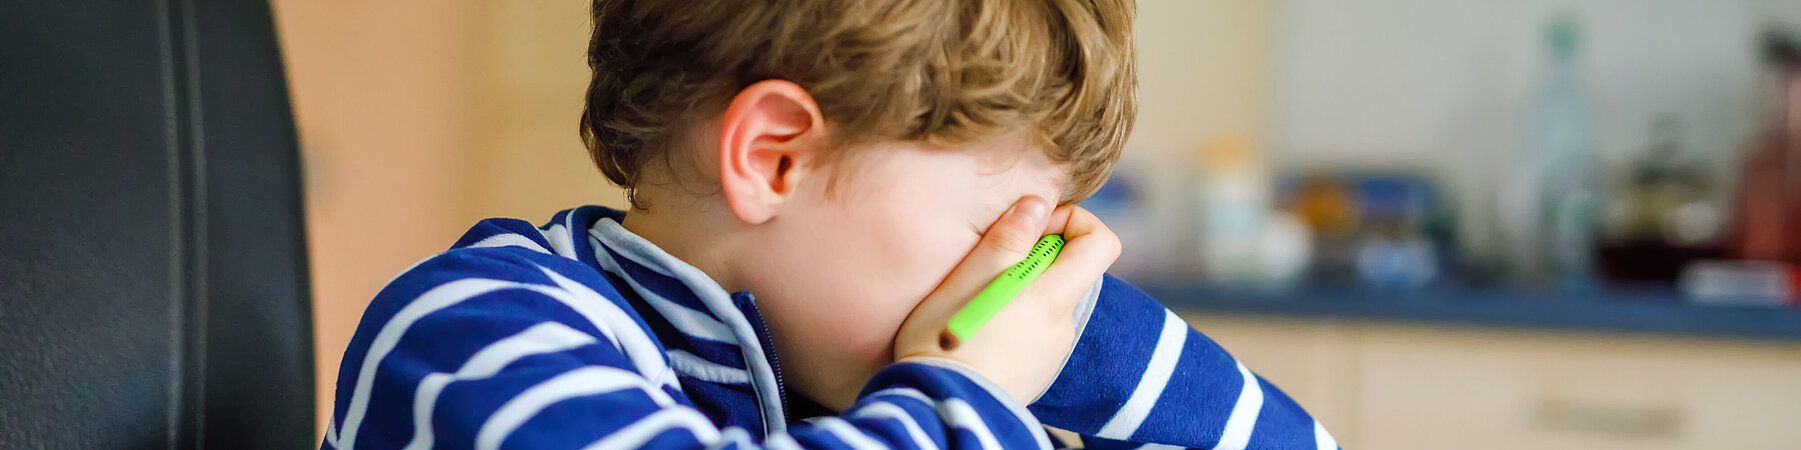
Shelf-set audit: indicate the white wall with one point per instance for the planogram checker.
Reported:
(1444, 85)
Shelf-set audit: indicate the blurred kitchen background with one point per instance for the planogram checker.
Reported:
(1437, 224)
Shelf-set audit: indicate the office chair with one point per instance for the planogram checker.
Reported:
(153, 281)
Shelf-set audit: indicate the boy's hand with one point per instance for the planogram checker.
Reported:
(1023, 347)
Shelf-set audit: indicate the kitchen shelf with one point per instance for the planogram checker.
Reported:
(1637, 310)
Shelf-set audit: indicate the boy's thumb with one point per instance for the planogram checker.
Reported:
(1012, 236)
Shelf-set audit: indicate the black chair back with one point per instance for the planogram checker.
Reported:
(153, 281)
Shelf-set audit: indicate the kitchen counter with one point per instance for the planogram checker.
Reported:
(1645, 310)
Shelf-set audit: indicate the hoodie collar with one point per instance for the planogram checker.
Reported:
(694, 304)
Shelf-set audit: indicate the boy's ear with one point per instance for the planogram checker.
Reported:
(768, 135)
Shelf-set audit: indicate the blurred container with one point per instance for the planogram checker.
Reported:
(1741, 283)
(1769, 207)
(1662, 219)
(1553, 211)
(1383, 230)
(1242, 241)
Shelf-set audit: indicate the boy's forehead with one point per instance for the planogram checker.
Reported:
(1032, 168)
(1028, 173)
(985, 177)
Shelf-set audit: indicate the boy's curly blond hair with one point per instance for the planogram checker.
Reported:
(941, 71)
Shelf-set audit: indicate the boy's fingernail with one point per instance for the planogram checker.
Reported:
(1034, 208)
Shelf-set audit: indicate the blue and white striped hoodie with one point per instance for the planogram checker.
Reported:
(580, 334)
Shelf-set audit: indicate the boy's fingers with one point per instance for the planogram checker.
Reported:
(1007, 241)
(1088, 250)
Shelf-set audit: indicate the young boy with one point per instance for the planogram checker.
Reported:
(816, 186)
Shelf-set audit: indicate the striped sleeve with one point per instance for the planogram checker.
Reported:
(1139, 374)
(501, 346)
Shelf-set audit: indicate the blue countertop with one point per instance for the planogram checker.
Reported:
(1650, 310)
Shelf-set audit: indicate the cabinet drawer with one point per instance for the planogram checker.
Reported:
(1434, 388)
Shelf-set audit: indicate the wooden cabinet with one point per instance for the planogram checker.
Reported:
(1389, 386)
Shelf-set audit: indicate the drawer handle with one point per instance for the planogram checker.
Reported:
(1616, 419)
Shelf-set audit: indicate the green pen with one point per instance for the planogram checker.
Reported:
(1000, 292)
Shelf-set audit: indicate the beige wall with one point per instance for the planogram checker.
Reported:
(532, 76)
(378, 95)
(416, 119)
(1203, 73)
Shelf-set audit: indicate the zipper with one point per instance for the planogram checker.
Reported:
(762, 329)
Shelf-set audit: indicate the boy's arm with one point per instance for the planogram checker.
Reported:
(490, 348)
(1140, 374)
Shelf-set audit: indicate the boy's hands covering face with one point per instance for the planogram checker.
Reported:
(1023, 347)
